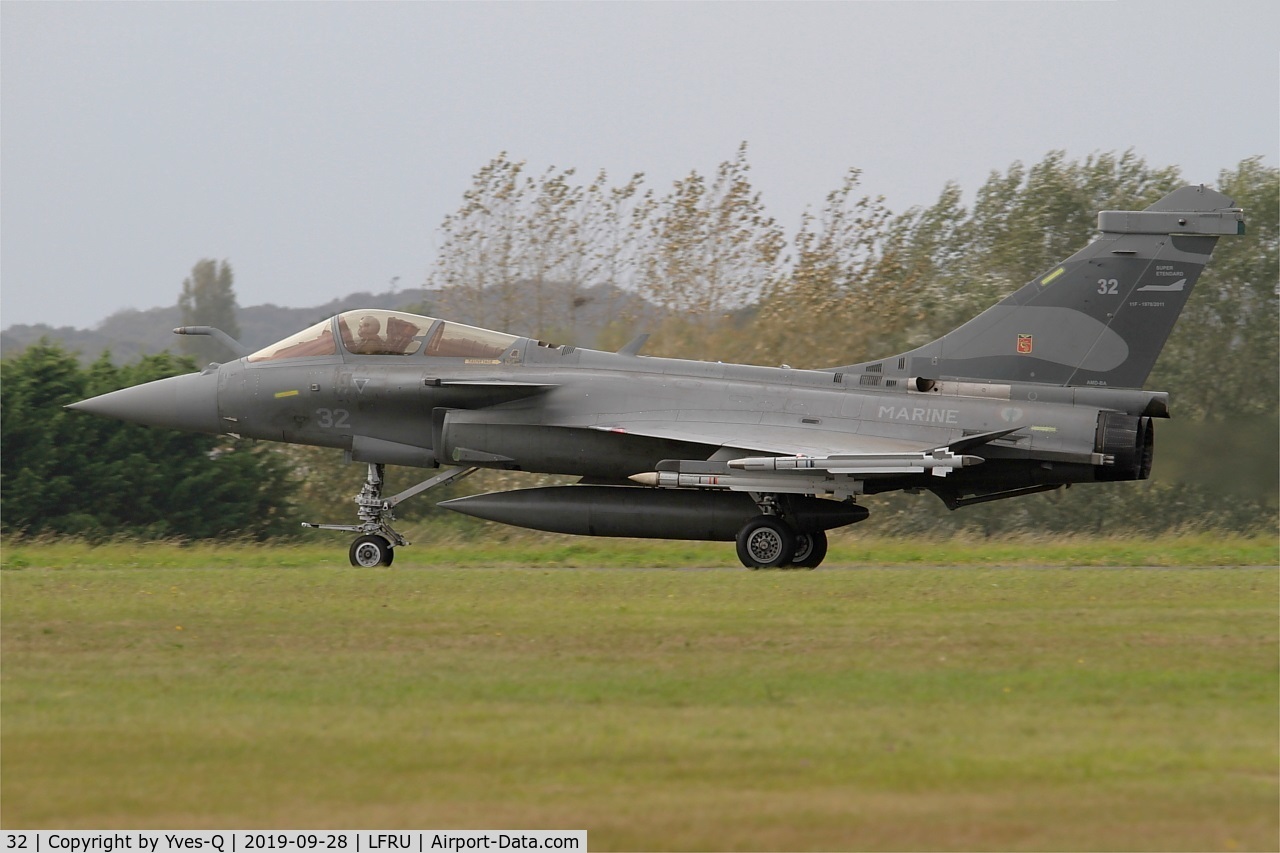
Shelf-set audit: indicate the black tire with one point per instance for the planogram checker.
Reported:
(370, 551)
(765, 542)
(811, 550)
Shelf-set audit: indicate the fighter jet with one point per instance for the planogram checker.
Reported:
(1040, 391)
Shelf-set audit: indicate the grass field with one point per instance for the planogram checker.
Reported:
(1016, 702)
(516, 548)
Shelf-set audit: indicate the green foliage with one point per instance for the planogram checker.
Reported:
(859, 281)
(712, 247)
(526, 252)
(837, 289)
(67, 472)
(1221, 358)
(1223, 355)
(208, 299)
(1146, 508)
(955, 262)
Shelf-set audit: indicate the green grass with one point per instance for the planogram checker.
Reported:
(519, 548)
(884, 708)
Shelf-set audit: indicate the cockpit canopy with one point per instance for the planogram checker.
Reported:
(379, 332)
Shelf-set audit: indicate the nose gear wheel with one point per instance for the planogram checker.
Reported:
(378, 539)
(370, 551)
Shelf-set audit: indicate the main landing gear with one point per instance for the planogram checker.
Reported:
(376, 544)
(769, 542)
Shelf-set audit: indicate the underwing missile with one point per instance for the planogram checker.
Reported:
(939, 461)
(815, 483)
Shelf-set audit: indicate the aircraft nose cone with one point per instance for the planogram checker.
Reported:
(187, 403)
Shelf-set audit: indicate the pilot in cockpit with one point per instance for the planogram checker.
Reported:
(368, 337)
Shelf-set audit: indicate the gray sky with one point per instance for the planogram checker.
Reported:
(317, 146)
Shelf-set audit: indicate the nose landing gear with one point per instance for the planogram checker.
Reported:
(378, 539)
(371, 550)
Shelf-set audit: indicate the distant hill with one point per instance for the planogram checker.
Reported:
(131, 333)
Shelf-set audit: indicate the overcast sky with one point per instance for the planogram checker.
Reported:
(318, 146)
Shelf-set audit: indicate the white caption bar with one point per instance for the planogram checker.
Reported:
(291, 841)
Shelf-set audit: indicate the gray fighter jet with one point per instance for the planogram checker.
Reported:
(1040, 391)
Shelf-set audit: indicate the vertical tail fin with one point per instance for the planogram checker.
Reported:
(1101, 316)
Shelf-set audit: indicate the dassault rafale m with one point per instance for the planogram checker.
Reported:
(1040, 391)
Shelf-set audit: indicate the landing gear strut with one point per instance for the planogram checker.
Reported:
(378, 540)
(769, 542)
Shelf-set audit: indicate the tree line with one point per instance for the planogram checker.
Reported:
(528, 251)
(856, 281)
(67, 473)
